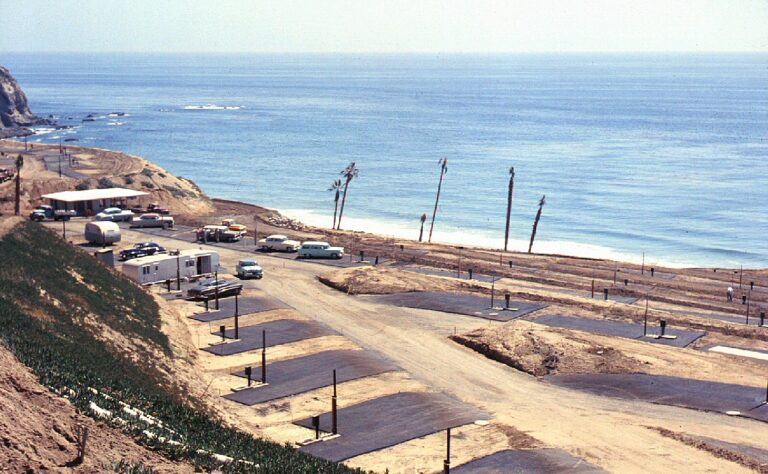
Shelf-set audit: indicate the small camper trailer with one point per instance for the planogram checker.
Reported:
(161, 267)
(102, 233)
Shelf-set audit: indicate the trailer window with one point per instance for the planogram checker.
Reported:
(145, 270)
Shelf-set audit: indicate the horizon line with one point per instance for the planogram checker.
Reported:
(548, 52)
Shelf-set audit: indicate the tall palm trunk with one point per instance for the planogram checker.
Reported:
(443, 170)
(343, 201)
(509, 204)
(19, 164)
(421, 231)
(349, 173)
(335, 208)
(536, 221)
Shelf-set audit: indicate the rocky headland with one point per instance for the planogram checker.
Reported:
(15, 114)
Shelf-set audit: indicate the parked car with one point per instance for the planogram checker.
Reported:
(152, 220)
(320, 250)
(115, 214)
(209, 288)
(142, 249)
(220, 233)
(44, 212)
(152, 208)
(249, 268)
(280, 243)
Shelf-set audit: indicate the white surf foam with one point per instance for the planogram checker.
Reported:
(471, 238)
(212, 107)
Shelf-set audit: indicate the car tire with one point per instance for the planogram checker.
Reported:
(335, 255)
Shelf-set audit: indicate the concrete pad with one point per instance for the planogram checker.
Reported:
(753, 354)
(608, 327)
(551, 461)
(459, 303)
(387, 421)
(247, 305)
(676, 391)
(281, 331)
(302, 374)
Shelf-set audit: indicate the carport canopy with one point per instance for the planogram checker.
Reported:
(94, 194)
(91, 201)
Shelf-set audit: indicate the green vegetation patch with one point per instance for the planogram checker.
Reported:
(48, 289)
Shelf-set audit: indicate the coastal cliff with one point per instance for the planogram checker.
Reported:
(14, 109)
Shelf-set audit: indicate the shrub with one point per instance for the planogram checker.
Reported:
(177, 192)
(147, 172)
(105, 183)
(148, 184)
(130, 180)
(82, 186)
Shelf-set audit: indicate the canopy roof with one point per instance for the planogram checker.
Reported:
(94, 194)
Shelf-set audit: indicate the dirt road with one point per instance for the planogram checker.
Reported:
(607, 432)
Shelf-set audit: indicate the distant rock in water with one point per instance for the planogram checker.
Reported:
(14, 109)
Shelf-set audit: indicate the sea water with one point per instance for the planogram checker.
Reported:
(657, 154)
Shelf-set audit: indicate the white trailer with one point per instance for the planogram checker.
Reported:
(102, 233)
(161, 267)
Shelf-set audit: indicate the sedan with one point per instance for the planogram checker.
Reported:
(209, 288)
(115, 214)
(142, 249)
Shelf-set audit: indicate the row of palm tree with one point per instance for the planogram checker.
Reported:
(348, 174)
(351, 172)
(510, 190)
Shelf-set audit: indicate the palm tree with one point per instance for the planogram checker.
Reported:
(509, 203)
(336, 186)
(423, 219)
(349, 173)
(443, 169)
(536, 221)
(19, 165)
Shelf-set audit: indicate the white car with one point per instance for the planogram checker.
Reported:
(280, 243)
(153, 220)
(320, 250)
(249, 269)
(115, 214)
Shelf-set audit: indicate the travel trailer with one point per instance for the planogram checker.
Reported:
(161, 267)
(102, 233)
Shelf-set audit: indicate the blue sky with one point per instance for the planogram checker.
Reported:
(383, 26)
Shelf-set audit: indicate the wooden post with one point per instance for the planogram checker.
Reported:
(178, 270)
(741, 273)
(749, 300)
(593, 289)
(334, 419)
(493, 287)
(263, 356)
(216, 289)
(642, 268)
(447, 461)
(645, 317)
(248, 372)
(237, 316)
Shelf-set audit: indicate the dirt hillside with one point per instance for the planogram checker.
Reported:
(37, 431)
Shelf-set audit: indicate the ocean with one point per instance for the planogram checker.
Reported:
(661, 155)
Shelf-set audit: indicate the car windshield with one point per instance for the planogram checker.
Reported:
(248, 263)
